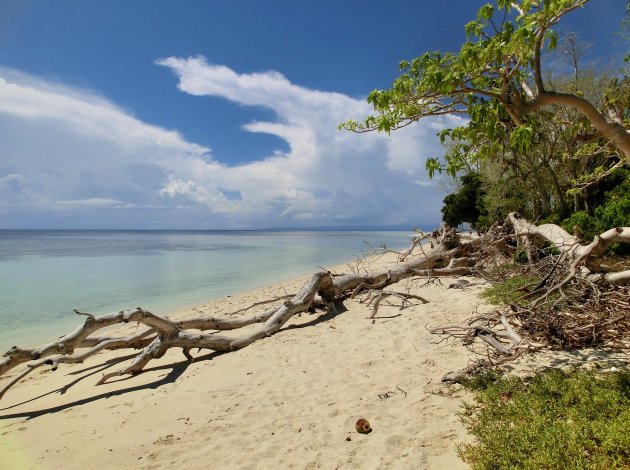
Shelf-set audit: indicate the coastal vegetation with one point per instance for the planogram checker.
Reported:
(574, 419)
(547, 139)
(497, 80)
(513, 290)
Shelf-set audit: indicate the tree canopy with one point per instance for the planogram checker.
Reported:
(496, 78)
(466, 204)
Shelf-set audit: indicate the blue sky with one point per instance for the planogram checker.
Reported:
(210, 115)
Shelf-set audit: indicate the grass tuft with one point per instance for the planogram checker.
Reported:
(511, 291)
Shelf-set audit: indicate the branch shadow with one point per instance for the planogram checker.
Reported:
(176, 370)
(339, 309)
(108, 362)
(385, 317)
(61, 390)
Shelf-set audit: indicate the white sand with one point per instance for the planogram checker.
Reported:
(289, 401)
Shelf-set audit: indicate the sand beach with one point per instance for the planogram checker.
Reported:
(288, 401)
(167, 162)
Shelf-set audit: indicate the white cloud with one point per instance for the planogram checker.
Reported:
(83, 113)
(95, 202)
(12, 180)
(74, 150)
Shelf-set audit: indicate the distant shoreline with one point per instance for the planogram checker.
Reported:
(397, 228)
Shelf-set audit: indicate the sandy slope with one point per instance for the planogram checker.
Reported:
(289, 401)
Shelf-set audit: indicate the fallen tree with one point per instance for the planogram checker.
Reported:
(579, 300)
(452, 254)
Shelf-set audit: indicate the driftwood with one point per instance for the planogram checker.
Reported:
(160, 334)
(453, 254)
(577, 302)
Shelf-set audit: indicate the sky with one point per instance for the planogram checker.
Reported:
(155, 114)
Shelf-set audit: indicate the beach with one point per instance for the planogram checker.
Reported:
(186, 184)
(288, 401)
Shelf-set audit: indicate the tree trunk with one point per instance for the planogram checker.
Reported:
(558, 190)
(612, 131)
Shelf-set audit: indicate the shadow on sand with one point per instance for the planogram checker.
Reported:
(176, 370)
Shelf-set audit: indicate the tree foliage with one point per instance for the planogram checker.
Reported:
(465, 205)
(612, 209)
(548, 169)
(496, 78)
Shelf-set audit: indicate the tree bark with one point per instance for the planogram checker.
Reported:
(612, 131)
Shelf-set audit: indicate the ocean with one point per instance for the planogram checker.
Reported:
(45, 274)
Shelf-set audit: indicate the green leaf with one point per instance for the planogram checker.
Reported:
(521, 138)
(473, 29)
(432, 165)
(552, 37)
(485, 12)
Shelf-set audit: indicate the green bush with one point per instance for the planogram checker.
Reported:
(613, 212)
(466, 204)
(590, 225)
(554, 421)
(520, 257)
(551, 250)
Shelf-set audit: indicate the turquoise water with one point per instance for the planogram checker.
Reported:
(44, 275)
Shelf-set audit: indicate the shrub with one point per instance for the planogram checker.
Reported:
(613, 212)
(466, 204)
(520, 257)
(556, 420)
(590, 225)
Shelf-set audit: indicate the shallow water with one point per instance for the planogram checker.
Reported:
(44, 275)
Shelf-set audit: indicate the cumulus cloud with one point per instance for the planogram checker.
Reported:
(75, 154)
